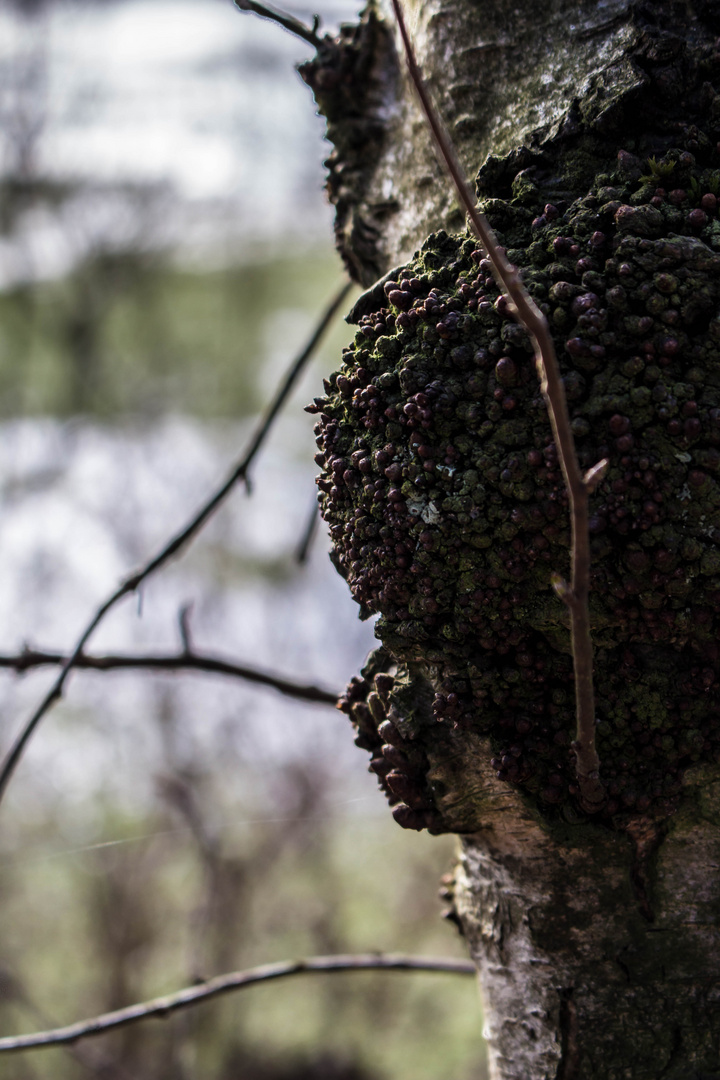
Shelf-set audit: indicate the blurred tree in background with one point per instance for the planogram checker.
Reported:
(596, 937)
(592, 133)
(164, 251)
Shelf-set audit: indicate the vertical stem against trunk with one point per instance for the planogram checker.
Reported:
(579, 486)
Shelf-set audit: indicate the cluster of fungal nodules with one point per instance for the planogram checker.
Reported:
(398, 760)
(350, 77)
(441, 485)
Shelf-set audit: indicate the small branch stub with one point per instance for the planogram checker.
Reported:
(595, 475)
(288, 22)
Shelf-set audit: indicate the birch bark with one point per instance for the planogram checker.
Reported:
(597, 946)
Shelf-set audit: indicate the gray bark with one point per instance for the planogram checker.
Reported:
(599, 953)
(498, 72)
(597, 946)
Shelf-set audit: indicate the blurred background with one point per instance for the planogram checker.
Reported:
(165, 250)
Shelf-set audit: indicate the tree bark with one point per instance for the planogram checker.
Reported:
(598, 952)
(596, 940)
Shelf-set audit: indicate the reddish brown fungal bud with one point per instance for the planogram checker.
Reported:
(506, 371)
(618, 424)
(407, 818)
(384, 684)
(389, 733)
(666, 283)
(577, 347)
(697, 218)
(584, 302)
(396, 757)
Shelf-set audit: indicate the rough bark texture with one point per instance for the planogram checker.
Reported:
(498, 71)
(596, 940)
(599, 953)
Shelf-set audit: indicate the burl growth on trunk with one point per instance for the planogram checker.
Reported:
(446, 503)
(448, 511)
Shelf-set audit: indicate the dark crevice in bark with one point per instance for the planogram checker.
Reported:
(623, 966)
(646, 837)
(570, 1058)
(639, 884)
(675, 1056)
(603, 27)
(447, 894)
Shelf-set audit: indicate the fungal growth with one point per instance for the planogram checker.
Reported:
(352, 77)
(448, 512)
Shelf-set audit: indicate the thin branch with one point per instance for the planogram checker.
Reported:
(236, 980)
(187, 660)
(96, 1063)
(177, 543)
(303, 549)
(575, 596)
(184, 627)
(288, 22)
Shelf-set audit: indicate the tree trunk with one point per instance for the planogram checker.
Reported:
(596, 938)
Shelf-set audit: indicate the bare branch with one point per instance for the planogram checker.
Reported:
(303, 549)
(187, 660)
(177, 543)
(288, 22)
(184, 627)
(575, 596)
(236, 980)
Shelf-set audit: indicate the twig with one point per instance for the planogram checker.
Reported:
(521, 304)
(303, 548)
(184, 627)
(288, 22)
(187, 660)
(179, 541)
(97, 1064)
(236, 980)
